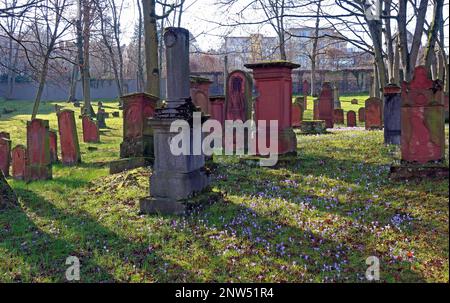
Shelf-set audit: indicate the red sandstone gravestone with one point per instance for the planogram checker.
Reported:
(339, 116)
(39, 165)
(297, 114)
(199, 91)
(351, 119)
(5, 155)
(217, 108)
(362, 114)
(68, 137)
(423, 135)
(53, 146)
(91, 132)
(326, 105)
(373, 114)
(273, 81)
(19, 162)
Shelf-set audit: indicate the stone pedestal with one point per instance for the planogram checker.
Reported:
(91, 133)
(392, 114)
(68, 137)
(373, 114)
(200, 93)
(339, 116)
(53, 137)
(273, 81)
(351, 119)
(362, 114)
(39, 165)
(19, 162)
(326, 105)
(5, 156)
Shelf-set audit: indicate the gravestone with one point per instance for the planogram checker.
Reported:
(5, 156)
(336, 96)
(373, 114)
(303, 101)
(7, 196)
(238, 103)
(175, 178)
(137, 147)
(351, 119)
(362, 114)
(326, 105)
(53, 137)
(354, 101)
(297, 113)
(339, 116)
(19, 162)
(392, 114)
(306, 89)
(217, 108)
(273, 81)
(101, 118)
(91, 132)
(316, 109)
(39, 166)
(68, 137)
(200, 92)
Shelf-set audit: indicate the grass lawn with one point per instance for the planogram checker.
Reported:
(313, 221)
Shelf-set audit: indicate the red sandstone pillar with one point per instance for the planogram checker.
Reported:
(273, 81)
(68, 137)
(91, 132)
(39, 166)
(326, 105)
(373, 114)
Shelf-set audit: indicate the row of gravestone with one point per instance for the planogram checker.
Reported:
(34, 161)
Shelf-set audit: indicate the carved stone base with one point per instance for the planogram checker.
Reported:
(162, 206)
(121, 165)
(405, 171)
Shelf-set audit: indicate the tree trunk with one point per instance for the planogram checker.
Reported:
(432, 35)
(88, 110)
(151, 48)
(314, 50)
(73, 85)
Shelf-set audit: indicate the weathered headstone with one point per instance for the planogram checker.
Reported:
(5, 156)
(53, 137)
(362, 114)
(339, 116)
(351, 119)
(175, 178)
(39, 165)
(101, 118)
(336, 96)
(274, 85)
(326, 105)
(297, 114)
(19, 162)
(373, 114)
(354, 101)
(200, 92)
(392, 114)
(7, 196)
(238, 104)
(68, 137)
(91, 132)
(217, 108)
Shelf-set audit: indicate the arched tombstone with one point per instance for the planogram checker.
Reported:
(362, 114)
(326, 105)
(373, 114)
(39, 166)
(19, 162)
(68, 138)
(5, 156)
(200, 93)
(351, 119)
(297, 114)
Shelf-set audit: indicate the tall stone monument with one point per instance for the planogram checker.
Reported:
(326, 105)
(392, 114)
(373, 114)
(175, 178)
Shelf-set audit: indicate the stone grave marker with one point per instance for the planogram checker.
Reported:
(19, 162)
(297, 113)
(101, 118)
(5, 156)
(362, 114)
(392, 114)
(354, 101)
(53, 137)
(199, 91)
(326, 105)
(91, 133)
(339, 116)
(68, 137)
(373, 114)
(39, 166)
(217, 108)
(351, 119)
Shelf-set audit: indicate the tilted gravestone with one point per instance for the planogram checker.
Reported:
(7, 196)
(68, 137)
(39, 166)
(19, 162)
(91, 133)
(362, 114)
(199, 91)
(53, 137)
(392, 114)
(351, 119)
(175, 178)
(5, 156)
(339, 116)
(273, 81)
(373, 114)
(326, 105)
(423, 129)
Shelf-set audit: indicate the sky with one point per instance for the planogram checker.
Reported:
(201, 18)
